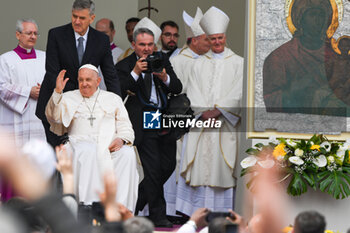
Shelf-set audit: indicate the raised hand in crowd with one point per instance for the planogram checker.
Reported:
(108, 198)
(64, 166)
(19, 172)
(270, 199)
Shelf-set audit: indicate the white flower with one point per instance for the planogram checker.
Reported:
(326, 145)
(273, 140)
(330, 159)
(280, 158)
(296, 160)
(320, 161)
(341, 153)
(291, 143)
(299, 152)
(312, 143)
(268, 163)
(347, 142)
(346, 145)
(248, 162)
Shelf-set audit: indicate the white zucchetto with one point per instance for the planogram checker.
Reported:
(89, 66)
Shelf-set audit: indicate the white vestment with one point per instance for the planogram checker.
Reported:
(17, 109)
(209, 158)
(175, 53)
(70, 112)
(182, 65)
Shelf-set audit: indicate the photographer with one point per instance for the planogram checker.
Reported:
(148, 92)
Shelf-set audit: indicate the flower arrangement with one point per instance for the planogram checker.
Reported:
(316, 163)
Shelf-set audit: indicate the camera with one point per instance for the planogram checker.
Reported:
(155, 62)
(211, 215)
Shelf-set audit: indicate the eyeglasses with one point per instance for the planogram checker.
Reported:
(168, 34)
(30, 33)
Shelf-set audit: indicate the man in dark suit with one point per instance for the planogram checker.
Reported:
(69, 47)
(148, 92)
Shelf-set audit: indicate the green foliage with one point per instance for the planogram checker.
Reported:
(297, 185)
(335, 183)
(252, 151)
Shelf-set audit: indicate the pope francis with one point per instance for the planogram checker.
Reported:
(100, 135)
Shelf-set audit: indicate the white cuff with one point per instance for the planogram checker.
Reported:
(134, 75)
(167, 82)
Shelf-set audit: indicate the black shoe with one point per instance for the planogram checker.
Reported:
(163, 223)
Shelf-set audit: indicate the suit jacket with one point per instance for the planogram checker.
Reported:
(134, 106)
(61, 53)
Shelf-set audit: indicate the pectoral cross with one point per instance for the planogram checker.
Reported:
(91, 119)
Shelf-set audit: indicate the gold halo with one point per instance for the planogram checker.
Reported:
(337, 7)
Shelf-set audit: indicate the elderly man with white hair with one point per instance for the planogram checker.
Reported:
(100, 134)
(215, 90)
(21, 73)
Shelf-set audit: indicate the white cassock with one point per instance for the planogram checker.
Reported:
(17, 109)
(116, 52)
(70, 112)
(209, 158)
(182, 65)
(176, 52)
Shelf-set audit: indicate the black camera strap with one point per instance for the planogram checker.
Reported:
(161, 97)
(148, 84)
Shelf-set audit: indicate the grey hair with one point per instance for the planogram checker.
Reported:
(138, 225)
(19, 24)
(142, 31)
(84, 4)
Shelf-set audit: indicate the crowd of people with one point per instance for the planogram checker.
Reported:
(89, 99)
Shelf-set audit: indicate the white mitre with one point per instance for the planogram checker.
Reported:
(192, 27)
(149, 24)
(214, 21)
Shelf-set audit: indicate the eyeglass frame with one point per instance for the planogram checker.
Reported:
(168, 34)
(31, 33)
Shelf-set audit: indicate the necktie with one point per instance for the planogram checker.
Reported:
(148, 84)
(80, 49)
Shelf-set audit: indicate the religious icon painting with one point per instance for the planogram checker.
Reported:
(298, 74)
